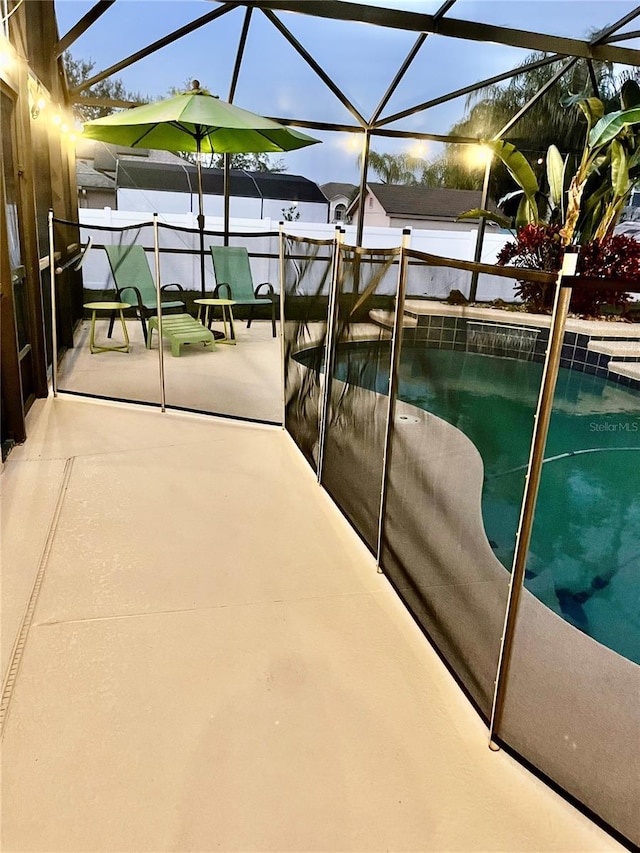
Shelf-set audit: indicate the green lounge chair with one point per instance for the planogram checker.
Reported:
(234, 281)
(135, 284)
(181, 329)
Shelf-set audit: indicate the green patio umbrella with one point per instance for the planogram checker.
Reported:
(200, 122)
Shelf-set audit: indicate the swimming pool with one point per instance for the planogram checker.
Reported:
(584, 557)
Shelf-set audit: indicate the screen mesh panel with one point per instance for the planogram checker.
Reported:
(307, 282)
(359, 374)
(223, 357)
(120, 374)
(452, 429)
(571, 704)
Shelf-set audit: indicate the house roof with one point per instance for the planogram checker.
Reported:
(420, 202)
(137, 173)
(334, 189)
(89, 178)
(104, 155)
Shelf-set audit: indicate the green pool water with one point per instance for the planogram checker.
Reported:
(584, 560)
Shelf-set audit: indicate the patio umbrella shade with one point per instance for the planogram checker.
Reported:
(199, 122)
(196, 121)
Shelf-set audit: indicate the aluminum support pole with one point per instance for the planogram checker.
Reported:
(200, 214)
(364, 166)
(283, 363)
(54, 311)
(156, 256)
(396, 350)
(226, 160)
(532, 482)
(482, 224)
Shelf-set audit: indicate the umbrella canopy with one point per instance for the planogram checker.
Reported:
(199, 122)
(196, 121)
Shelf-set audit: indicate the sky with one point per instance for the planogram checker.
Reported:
(361, 59)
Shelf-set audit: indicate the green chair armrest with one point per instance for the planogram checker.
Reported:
(219, 288)
(268, 286)
(121, 290)
(173, 284)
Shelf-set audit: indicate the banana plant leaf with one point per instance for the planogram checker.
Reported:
(478, 213)
(629, 95)
(619, 169)
(527, 213)
(555, 175)
(611, 125)
(518, 167)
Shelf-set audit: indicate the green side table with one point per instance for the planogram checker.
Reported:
(227, 317)
(94, 307)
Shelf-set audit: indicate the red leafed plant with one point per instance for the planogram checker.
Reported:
(540, 247)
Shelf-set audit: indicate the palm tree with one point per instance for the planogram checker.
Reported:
(547, 122)
(394, 168)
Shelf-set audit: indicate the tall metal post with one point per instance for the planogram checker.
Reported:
(54, 311)
(396, 349)
(366, 145)
(226, 159)
(156, 255)
(532, 482)
(330, 346)
(482, 224)
(283, 364)
(200, 214)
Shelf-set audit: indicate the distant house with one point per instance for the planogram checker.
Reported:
(95, 189)
(631, 213)
(401, 205)
(339, 197)
(146, 180)
(96, 167)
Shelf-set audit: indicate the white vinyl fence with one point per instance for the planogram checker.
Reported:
(185, 268)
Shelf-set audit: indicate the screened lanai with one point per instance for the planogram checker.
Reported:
(484, 455)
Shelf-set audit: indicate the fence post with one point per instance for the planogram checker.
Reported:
(330, 345)
(396, 349)
(283, 365)
(482, 224)
(156, 255)
(54, 310)
(532, 482)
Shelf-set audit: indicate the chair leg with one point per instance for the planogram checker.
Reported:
(273, 317)
(250, 317)
(111, 322)
(144, 328)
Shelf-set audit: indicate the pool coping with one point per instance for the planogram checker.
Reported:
(591, 328)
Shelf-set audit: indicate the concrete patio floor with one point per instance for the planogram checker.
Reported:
(207, 660)
(241, 380)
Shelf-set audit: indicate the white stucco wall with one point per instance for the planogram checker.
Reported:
(432, 224)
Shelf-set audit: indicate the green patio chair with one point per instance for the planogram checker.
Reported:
(135, 284)
(234, 281)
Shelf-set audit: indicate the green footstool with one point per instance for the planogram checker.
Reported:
(181, 329)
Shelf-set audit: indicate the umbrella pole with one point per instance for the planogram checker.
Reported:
(227, 190)
(200, 215)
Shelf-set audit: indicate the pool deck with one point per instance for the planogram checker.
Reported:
(208, 660)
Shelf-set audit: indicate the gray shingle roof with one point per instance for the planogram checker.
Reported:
(89, 178)
(419, 202)
(333, 189)
(137, 173)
